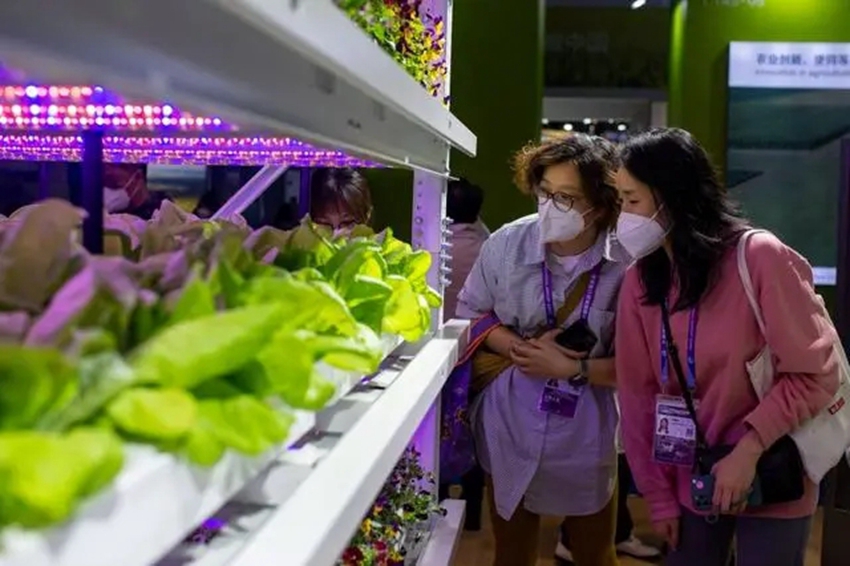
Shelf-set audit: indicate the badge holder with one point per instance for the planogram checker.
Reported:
(556, 399)
(675, 439)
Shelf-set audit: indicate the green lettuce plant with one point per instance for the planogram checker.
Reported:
(198, 338)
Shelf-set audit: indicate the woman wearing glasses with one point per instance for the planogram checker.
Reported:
(543, 295)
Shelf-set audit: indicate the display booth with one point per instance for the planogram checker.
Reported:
(789, 112)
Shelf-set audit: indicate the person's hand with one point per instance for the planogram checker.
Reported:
(734, 475)
(549, 337)
(668, 529)
(544, 358)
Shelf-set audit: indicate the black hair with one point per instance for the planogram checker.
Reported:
(463, 202)
(703, 221)
(594, 157)
(340, 188)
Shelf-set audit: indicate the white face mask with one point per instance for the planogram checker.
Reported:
(557, 225)
(342, 232)
(115, 200)
(640, 235)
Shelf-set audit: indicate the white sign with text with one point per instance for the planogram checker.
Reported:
(789, 65)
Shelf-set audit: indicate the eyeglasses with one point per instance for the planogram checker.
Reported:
(563, 202)
(343, 225)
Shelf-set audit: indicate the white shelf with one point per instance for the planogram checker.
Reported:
(315, 523)
(444, 539)
(297, 67)
(303, 510)
(156, 500)
(320, 488)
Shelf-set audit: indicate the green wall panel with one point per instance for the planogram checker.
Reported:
(606, 47)
(497, 91)
(700, 36)
(392, 195)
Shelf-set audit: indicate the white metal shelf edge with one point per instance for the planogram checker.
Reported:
(442, 545)
(315, 524)
(374, 74)
(307, 72)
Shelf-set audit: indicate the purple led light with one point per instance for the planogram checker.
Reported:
(214, 523)
(179, 151)
(57, 113)
(71, 108)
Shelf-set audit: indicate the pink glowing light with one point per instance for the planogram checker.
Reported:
(204, 150)
(43, 123)
(72, 108)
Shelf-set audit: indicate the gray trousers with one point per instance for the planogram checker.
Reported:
(759, 542)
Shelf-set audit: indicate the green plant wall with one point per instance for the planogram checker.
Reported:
(700, 34)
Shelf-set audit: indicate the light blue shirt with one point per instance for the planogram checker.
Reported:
(552, 464)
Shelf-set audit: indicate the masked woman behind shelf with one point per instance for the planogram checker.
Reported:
(340, 198)
(687, 338)
(125, 190)
(543, 294)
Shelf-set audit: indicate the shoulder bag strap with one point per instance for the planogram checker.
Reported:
(673, 356)
(572, 299)
(747, 281)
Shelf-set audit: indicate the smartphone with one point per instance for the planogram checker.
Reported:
(702, 493)
(577, 337)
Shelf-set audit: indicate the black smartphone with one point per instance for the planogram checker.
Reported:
(577, 337)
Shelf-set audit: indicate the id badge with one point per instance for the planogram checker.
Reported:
(561, 401)
(675, 439)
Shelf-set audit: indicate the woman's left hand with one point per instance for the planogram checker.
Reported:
(544, 358)
(734, 476)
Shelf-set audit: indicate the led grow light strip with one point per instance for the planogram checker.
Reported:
(53, 113)
(58, 108)
(179, 151)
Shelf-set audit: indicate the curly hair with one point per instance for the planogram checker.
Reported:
(595, 158)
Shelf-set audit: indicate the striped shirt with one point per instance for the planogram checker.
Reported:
(551, 464)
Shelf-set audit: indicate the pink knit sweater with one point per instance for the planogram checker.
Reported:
(727, 336)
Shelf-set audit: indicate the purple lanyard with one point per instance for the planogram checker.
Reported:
(587, 300)
(691, 378)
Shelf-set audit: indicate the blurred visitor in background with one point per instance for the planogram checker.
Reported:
(340, 198)
(463, 206)
(125, 190)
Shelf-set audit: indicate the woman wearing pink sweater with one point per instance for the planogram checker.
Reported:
(679, 225)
